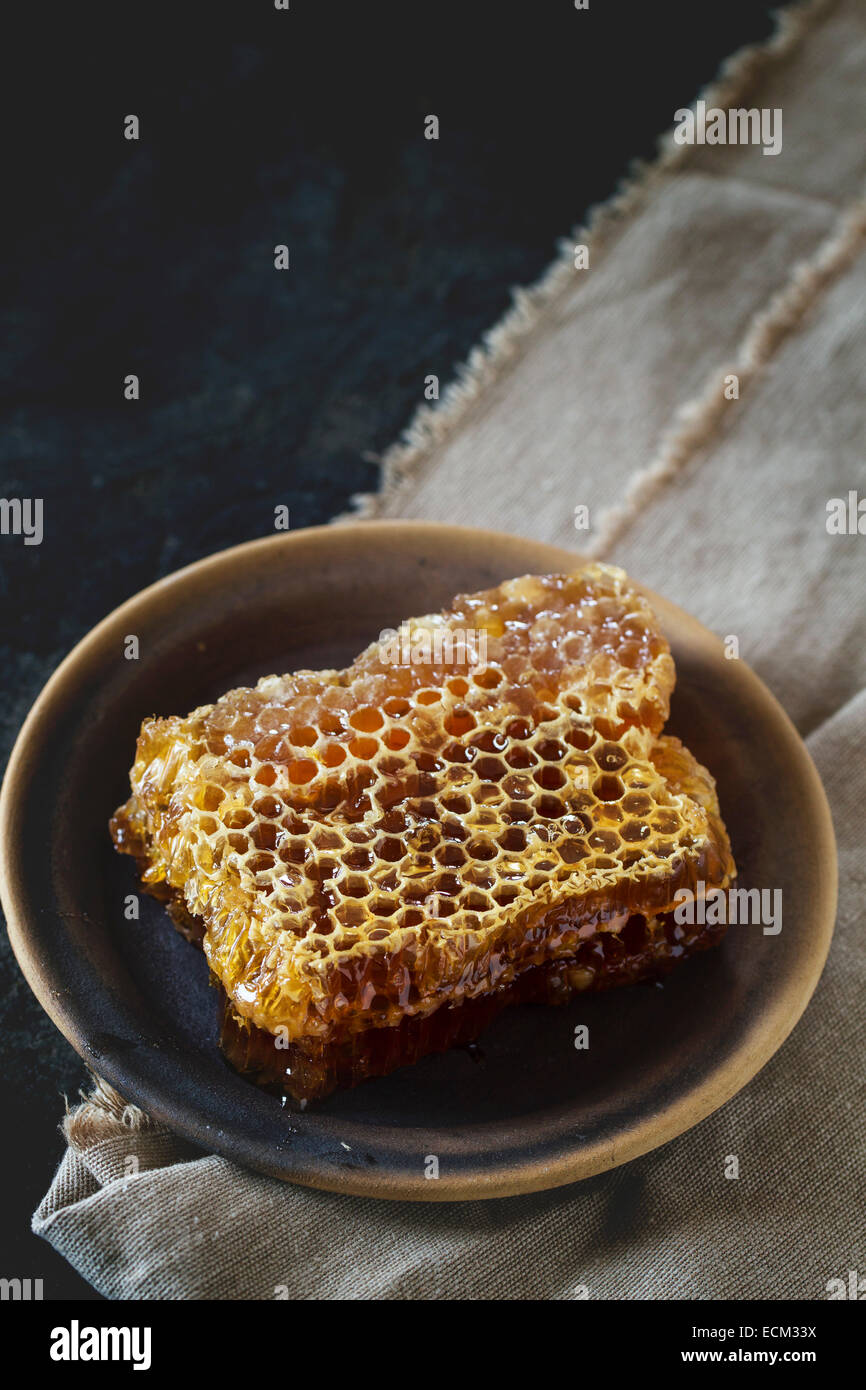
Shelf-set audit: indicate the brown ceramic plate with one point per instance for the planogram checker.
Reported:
(530, 1112)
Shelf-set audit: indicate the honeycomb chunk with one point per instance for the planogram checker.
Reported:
(362, 847)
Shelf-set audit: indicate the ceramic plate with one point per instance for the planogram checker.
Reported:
(526, 1110)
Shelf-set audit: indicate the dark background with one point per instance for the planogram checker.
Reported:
(261, 387)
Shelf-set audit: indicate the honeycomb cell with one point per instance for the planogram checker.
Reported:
(513, 840)
(359, 858)
(520, 788)
(572, 851)
(481, 849)
(551, 778)
(520, 757)
(550, 750)
(363, 748)
(396, 738)
(489, 769)
(366, 719)
(480, 875)
(549, 807)
(506, 895)
(322, 869)
(355, 886)
(608, 788)
(635, 830)
(459, 722)
(629, 654)
(384, 907)
(611, 757)
(474, 900)
(396, 707)
(449, 884)
(459, 753)
(457, 804)
(351, 914)
(490, 741)
(451, 855)
(606, 840)
(265, 835)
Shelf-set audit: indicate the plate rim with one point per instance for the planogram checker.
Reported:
(755, 1048)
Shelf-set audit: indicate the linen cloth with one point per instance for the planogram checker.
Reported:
(605, 388)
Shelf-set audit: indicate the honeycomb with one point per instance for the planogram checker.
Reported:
(311, 1068)
(357, 848)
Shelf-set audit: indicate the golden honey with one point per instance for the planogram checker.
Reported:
(360, 848)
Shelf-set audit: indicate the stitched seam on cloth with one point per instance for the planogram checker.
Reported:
(503, 344)
(700, 419)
